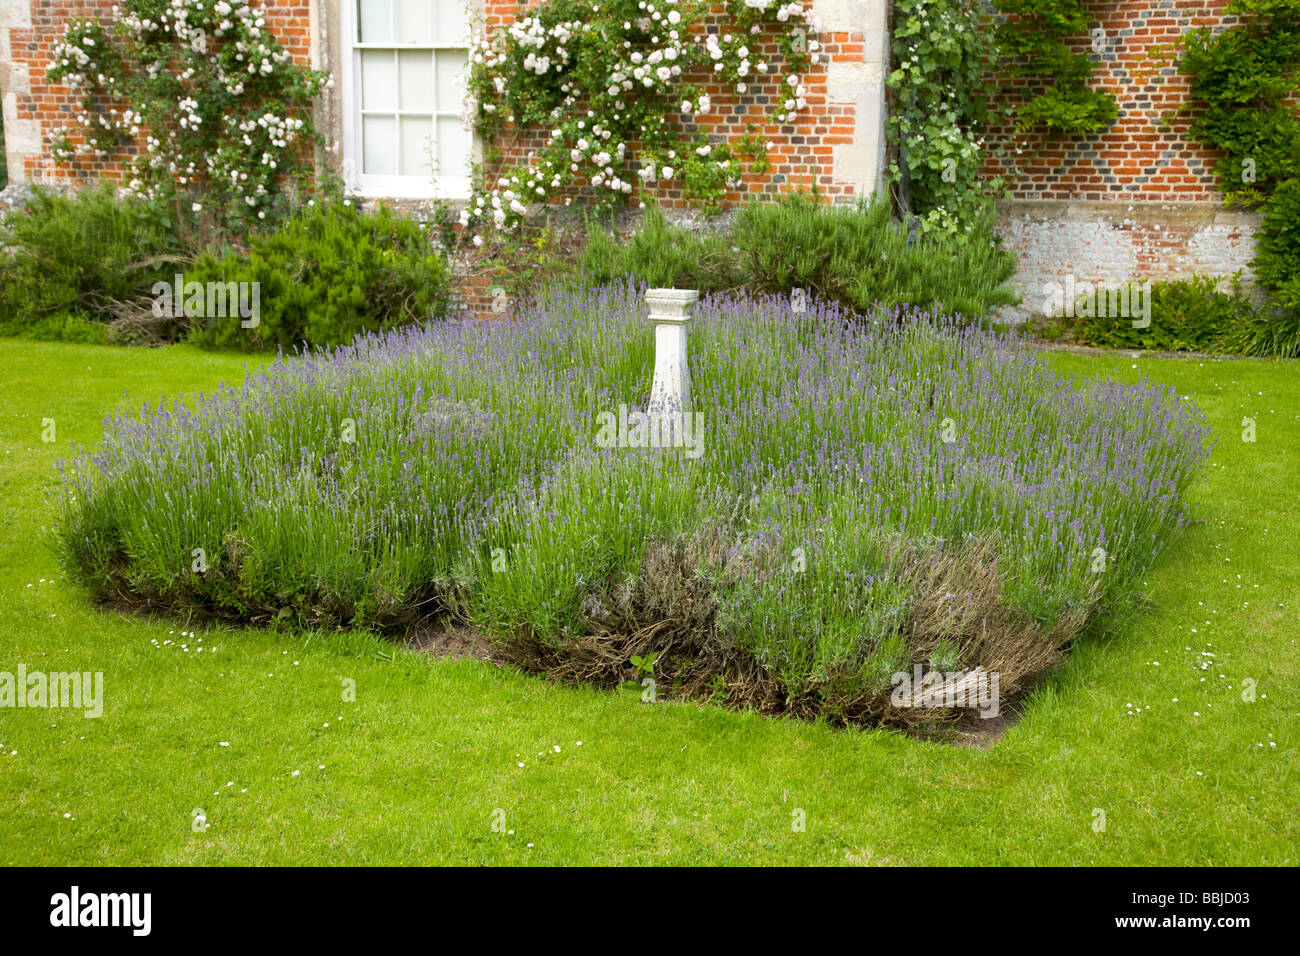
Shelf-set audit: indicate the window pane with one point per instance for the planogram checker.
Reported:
(378, 80)
(415, 71)
(373, 21)
(379, 145)
(411, 21)
(451, 83)
(453, 147)
(417, 146)
(451, 21)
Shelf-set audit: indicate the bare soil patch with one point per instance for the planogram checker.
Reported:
(458, 641)
(448, 639)
(983, 732)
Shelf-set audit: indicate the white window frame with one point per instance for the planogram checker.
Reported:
(373, 185)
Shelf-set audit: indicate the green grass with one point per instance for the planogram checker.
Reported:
(414, 768)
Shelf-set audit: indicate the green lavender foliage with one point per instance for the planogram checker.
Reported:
(471, 478)
(665, 256)
(858, 256)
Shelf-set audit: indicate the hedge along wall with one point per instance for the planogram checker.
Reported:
(1138, 200)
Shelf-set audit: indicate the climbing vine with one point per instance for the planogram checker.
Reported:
(1033, 43)
(952, 60)
(1244, 83)
(1240, 80)
(221, 105)
(609, 88)
(942, 92)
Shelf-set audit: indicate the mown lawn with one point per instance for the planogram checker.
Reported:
(254, 729)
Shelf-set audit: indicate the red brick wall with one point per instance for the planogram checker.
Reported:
(1140, 158)
(800, 153)
(1146, 155)
(53, 106)
(1138, 200)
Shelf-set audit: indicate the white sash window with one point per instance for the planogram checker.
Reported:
(403, 72)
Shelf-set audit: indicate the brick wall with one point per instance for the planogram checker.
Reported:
(29, 32)
(1138, 200)
(805, 152)
(817, 148)
(1146, 155)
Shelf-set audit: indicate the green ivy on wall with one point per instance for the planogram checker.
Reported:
(1032, 40)
(1244, 85)
(951, 61)
(1241, 79)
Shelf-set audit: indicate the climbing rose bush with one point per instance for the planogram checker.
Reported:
(221, 105)
(608, 83)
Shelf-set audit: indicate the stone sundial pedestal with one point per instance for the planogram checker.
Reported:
(670, 313)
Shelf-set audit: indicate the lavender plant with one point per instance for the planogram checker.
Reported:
(867, 496)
